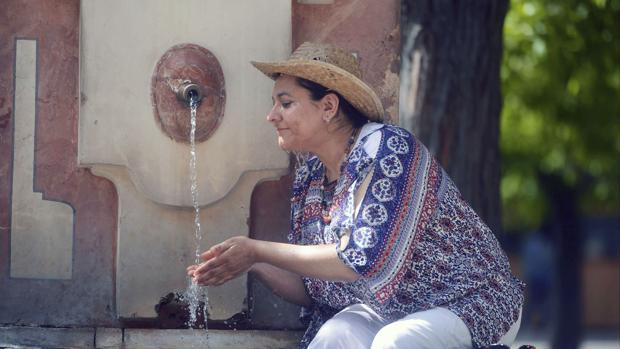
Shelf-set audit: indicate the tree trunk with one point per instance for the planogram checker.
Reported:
(568, 240)
(450, 91)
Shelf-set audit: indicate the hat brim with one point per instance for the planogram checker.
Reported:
(354, 90)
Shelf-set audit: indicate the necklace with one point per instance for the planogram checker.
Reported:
(328, 188)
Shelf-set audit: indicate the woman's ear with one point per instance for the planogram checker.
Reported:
(330, 104)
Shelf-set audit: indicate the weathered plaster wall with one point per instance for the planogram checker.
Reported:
(87, 298)
(370, 28)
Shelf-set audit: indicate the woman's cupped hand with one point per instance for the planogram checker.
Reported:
(224, 262)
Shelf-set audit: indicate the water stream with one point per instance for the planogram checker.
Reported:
(195, 294)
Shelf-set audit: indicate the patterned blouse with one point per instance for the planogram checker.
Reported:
(414, 240)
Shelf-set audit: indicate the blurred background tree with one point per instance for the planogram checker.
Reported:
(560, 132)
(561, 113)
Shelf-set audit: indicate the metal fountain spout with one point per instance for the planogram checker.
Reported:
(186, 91)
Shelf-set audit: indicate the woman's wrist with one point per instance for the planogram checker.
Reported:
(257, 249)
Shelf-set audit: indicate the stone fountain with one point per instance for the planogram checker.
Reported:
(134, 130)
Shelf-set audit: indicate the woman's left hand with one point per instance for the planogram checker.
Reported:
(224, 262)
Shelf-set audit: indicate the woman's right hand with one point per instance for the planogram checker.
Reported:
(224, 262)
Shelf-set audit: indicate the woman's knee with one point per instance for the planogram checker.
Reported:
(355, 327)
(338, 333)
(394, 335)
(437, 328)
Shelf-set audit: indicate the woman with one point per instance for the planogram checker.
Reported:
(384, 252)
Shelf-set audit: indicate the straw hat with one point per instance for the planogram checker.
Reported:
(333, 68)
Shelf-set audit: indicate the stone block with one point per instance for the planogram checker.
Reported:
(213, 339)
(108, 337)
(47, 337)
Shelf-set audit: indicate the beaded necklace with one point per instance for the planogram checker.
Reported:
(328, 188)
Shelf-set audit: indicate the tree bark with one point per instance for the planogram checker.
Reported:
(568, 239)
(450, 91)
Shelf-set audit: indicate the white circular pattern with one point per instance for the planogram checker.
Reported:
(383, 190)
(374, 214)
(356, 257)
(365, 237)
(398, 145)
(399, 131)
(391, 166)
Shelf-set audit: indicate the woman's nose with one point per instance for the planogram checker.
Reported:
(273, 115)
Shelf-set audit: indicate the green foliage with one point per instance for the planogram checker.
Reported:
(561, 113)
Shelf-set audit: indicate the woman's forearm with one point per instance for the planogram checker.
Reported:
(315, 261)
(235, 256)
(284, 283)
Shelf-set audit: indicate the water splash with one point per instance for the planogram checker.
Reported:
(195, 294)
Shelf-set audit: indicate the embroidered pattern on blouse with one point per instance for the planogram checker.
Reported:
(383, 190)
(365, 237)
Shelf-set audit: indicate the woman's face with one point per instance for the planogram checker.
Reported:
(297, 118)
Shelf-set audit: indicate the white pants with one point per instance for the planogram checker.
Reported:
(358, 326)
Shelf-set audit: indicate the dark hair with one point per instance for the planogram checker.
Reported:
(318, 91)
